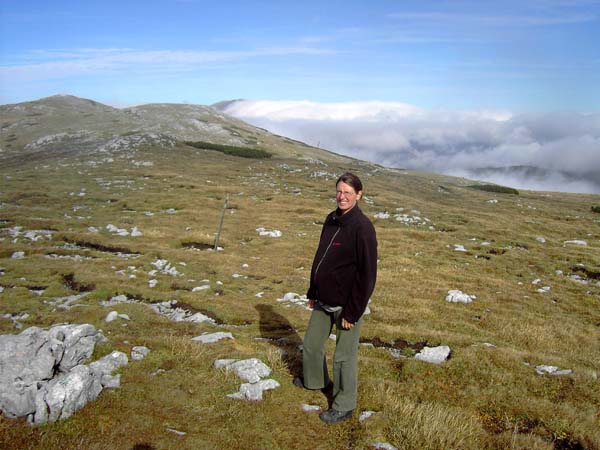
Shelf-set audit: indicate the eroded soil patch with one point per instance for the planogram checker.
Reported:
(103, 248)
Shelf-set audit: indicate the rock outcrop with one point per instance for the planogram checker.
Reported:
(42, 375)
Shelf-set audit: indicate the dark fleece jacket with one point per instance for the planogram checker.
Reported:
(345, 266)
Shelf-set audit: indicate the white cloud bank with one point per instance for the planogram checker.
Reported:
(551, 152)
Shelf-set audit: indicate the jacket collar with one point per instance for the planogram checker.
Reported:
(342, 220)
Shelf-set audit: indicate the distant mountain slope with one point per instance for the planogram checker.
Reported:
(64, 124)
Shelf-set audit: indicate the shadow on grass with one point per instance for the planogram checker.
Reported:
(143, 446)
(279, 332)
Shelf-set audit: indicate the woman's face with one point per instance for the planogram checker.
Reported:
(346, 197)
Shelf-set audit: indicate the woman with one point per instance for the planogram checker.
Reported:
(341, 282)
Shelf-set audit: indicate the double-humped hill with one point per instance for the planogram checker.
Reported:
(64, 124)
(107, 217)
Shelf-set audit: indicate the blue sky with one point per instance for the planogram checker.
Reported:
(521, 56)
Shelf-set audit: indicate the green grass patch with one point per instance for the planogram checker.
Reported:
(243, 152)
(494, 188)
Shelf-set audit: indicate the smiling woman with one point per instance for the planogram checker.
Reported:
(342, 281)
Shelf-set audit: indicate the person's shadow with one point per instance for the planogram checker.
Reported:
(279, 332)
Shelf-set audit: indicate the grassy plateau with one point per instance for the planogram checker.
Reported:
(537, 294)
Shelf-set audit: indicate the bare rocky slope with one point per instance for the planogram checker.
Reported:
(64, 124)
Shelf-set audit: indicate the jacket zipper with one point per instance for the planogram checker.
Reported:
(326, 250)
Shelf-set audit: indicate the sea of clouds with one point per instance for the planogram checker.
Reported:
(547, 152)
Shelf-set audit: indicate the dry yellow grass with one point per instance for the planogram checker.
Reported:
(480, 398)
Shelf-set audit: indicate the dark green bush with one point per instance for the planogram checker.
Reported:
(596, 209)
(244, 152)
(494, 188)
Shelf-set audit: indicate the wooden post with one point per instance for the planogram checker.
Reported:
(221, 223)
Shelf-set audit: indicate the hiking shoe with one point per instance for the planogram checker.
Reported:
(335, 416)
(299, 382)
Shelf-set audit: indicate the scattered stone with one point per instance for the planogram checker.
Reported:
(250, 370)
(270, 233)
(383, 446)
(15, 318)
(116, 231)
(382, 215)
(176, 313)
(117, 299)
(171, 309)
(253, 391)
(296, 299)
(139, 352)
(544, 290)
(456, 296)
(459, 248)
(111, 316)
(434, 355)
(18, 255)
(310, 408)
(67, 302)
(365, 415)
(541, 239)
(212, 337)
(536, 281)
(485, 344)
(575, 242)
(492, 201)
(552, 370)
(165, 267)
(178, 433)
(152, 283)
(200, 288)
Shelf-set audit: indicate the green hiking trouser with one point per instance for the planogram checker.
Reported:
(345, 358)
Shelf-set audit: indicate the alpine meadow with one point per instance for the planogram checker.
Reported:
(110, 216)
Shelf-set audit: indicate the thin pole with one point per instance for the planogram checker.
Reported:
(221, 223)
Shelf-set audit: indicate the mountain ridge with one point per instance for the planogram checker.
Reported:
(71, 123)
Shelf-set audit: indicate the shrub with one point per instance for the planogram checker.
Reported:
(244, 152)
(494, 188)
(596, 209)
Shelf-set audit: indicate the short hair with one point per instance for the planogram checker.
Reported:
(352, 180)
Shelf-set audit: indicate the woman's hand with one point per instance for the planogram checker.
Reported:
(347, 325)
(311, 304)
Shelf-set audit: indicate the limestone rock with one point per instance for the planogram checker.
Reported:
(552, 370)
(365, 415)
(383, 446)
(66, 394)
(253, 391)
(456, 296)
(250, 370)
(42, 375)
(139, 352)
(309, 408)
(434, 355)
(212, 337)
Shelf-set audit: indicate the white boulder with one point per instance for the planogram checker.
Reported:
(434, 355)
(212, 337)
(456, 296)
